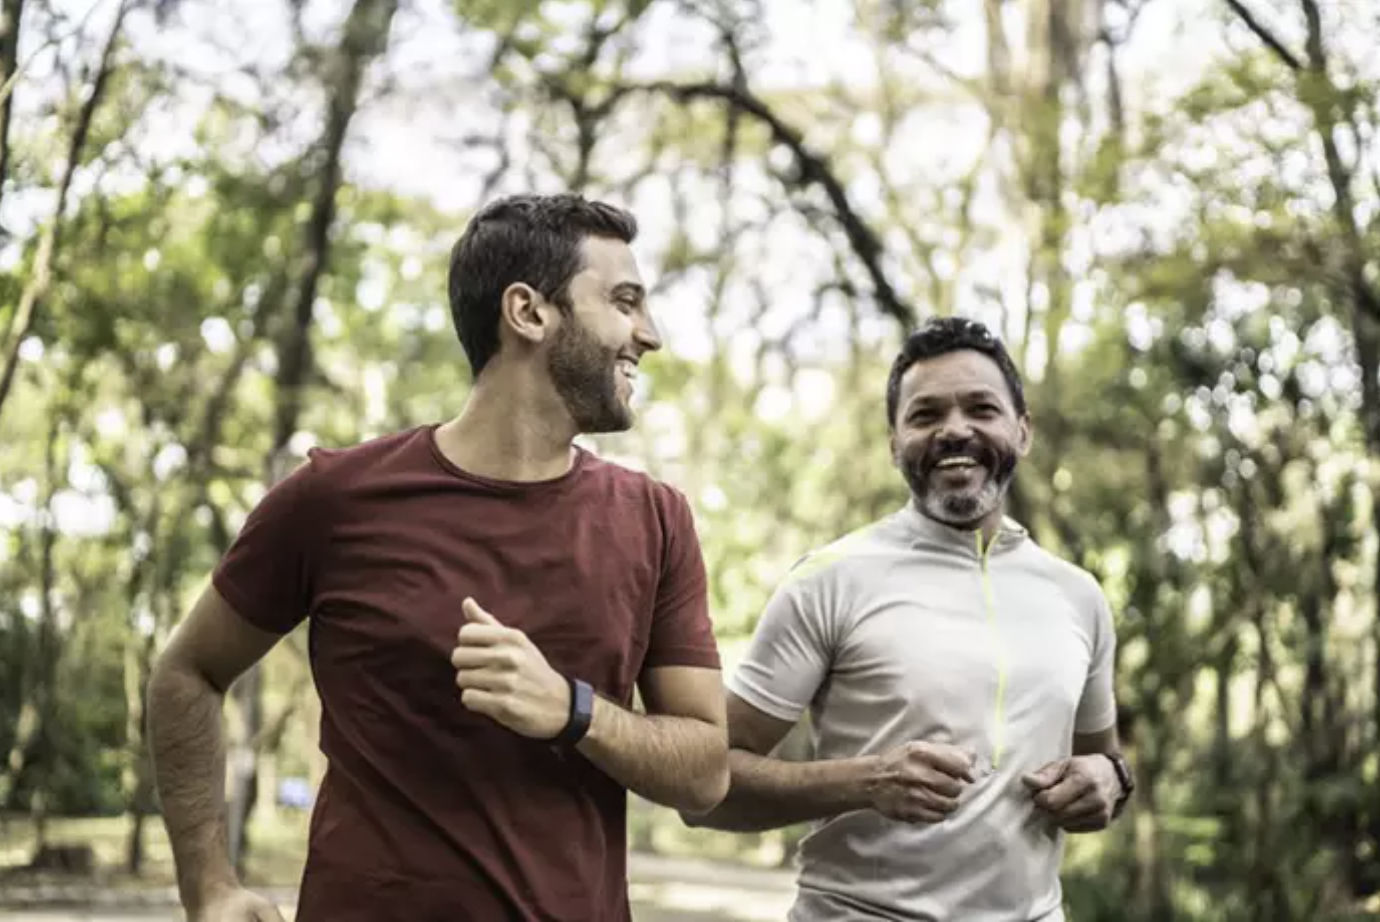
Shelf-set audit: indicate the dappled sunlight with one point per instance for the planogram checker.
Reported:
(224, 241)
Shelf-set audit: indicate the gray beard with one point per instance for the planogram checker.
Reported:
(964, 509)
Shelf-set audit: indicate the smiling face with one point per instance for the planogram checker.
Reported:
(605, 332)
(957, 437)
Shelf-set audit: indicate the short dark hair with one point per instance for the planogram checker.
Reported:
(941, 336)
(533, 239)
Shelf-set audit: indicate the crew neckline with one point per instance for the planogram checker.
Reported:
(577, 466)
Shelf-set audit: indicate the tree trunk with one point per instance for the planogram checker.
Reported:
(41, 275)
(1322, 98)
(11, 19)
(45, 690)
(365, 37)
(138, 781)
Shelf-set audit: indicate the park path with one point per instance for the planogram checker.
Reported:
(662, 890)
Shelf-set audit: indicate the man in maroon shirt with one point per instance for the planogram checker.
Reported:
(483, 597)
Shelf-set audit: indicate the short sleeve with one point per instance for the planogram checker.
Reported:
(1097, 707)
(682, 634)
(790, 653)
(267, 573)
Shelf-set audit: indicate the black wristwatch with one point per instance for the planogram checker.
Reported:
(1123, 775)
(581, 713)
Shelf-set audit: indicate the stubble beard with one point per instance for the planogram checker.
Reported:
(584, 373)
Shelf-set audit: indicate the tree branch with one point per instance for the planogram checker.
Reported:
(41, 276)
(1265, 35)
(812, 170)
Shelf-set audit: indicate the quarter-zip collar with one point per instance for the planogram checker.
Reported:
(927, 532)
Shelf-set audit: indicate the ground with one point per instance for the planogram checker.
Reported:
(663, 889)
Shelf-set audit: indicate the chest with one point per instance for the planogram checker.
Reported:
(946, 643)
(578, 581)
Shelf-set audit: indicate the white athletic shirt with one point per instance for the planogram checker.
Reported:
(912, 630)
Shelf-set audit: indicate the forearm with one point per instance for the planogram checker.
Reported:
(678, 762)
(769, 793)
(189, 769)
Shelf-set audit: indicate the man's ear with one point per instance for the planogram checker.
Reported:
(1025, 436)
(526, 314)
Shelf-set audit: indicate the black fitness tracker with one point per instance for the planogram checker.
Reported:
(581, 713)
(1123, 775)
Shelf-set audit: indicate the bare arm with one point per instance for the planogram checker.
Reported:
(769, 793)
(1088, 744)
(675, 754)
(186, 691)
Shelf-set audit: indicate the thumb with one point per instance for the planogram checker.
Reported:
(476, 615)
(1039, 780)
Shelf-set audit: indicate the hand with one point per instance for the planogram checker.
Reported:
(236, 905)
(921, 782)
(502, 675)
(1078, 793)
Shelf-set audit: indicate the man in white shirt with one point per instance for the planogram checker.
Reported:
(958, 677)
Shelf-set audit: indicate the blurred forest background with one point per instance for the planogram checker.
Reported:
(223, 239)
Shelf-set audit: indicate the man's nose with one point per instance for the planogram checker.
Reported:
(646, 334)
(956, 427)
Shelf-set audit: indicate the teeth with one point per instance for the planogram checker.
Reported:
(628, 369)
(957, 462)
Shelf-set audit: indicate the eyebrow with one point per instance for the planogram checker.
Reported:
(982, 393)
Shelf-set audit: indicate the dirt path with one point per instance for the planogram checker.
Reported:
(662, 890)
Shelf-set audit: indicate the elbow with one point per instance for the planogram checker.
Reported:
(707, 795)
(161, 675)
(173, 680)
(700, 799)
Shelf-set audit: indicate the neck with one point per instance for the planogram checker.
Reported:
(513, 427)
(989, 525)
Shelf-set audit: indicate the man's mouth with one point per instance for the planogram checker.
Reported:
(628, 369)
(961, 463)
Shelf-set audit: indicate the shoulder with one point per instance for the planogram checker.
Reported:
(845, 558)
(1078, 585)
(343, 466)
(635, 503)
(626, 483)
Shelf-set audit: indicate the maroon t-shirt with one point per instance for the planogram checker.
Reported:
(428, 812)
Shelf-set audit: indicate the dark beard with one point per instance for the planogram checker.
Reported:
(584, 373)
(960, 509)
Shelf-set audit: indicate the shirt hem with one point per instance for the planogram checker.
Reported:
(764, 702)
(696, 658)
(1103, 723)
(246, 609)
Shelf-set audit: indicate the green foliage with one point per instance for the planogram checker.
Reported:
(1199, 439)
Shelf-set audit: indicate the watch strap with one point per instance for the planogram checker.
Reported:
(581, 713)
(1123, 775)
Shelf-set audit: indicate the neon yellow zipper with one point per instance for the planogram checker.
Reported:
(999, 717)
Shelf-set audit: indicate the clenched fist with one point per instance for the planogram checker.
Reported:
(236, 905)
(1079, 794)
(921, 782)
(503, 675)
